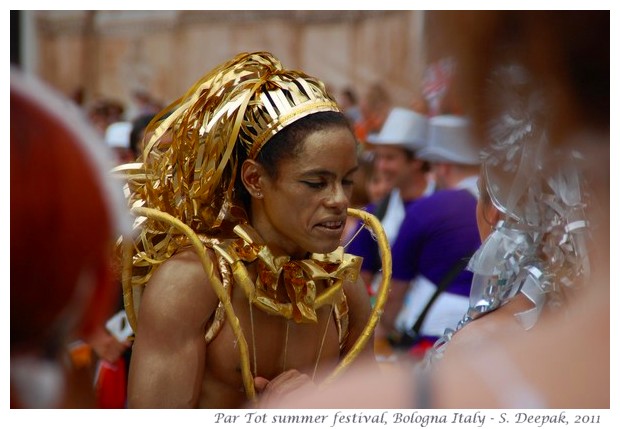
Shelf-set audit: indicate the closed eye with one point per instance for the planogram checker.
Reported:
(314, 185)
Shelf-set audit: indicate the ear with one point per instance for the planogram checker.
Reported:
(252, 177)
(440, 170)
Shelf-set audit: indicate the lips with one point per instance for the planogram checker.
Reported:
(332, 225)
(332, 228)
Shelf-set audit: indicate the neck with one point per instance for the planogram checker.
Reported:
(457, 173)
(274, 241)
(413, 188)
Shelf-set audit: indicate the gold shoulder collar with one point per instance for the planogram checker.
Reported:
(299, 277)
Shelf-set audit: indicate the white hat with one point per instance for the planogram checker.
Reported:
(402, 127)
(449, 140)
(117, 134)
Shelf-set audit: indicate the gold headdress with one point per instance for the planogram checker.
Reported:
(190, 161)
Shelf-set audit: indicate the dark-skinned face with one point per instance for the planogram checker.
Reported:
(304, 209)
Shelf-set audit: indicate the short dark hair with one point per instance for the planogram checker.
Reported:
(138, 126)
(287, 144)
(412, 154)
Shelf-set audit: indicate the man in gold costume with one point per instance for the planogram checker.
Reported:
(235, 273)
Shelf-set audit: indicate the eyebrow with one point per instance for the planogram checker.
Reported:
(328, 173)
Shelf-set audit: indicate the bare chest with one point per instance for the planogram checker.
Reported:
(274, 344)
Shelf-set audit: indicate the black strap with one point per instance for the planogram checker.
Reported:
(447, 279)
(381, 207)
(380, 211)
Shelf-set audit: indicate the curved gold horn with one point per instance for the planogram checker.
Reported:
(386, 265)
(248, 380)
(207, 265)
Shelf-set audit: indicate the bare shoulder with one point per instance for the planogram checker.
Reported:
(480, 333)
(357, 298)
(179, 290)
(359, 314)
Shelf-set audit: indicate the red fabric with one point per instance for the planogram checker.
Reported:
(111, 386)
(419, 350)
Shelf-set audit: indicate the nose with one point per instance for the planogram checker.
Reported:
(381, 163)
(337, 198)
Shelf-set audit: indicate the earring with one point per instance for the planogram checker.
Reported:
(259, 195)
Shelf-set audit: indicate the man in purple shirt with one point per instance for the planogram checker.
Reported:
(438, 231)
(394, 150)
